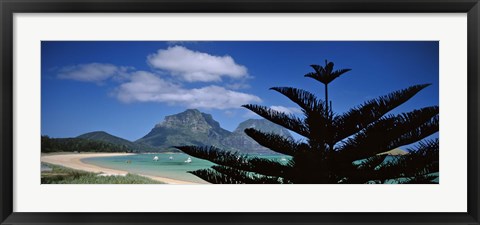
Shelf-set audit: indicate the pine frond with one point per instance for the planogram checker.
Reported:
(265, 167)
(288, 121)
(426, 179)
(306, 100)
(371, 163)
(232, 159)
(339, 72)
(246, 177)
(420, 162)
(359, 172)
(426, 148)
(391, 132)
(215, 177)
(228, 175)
(273, 141)
(424, 130)
(317, 68)
(325, 74)
(361, 116)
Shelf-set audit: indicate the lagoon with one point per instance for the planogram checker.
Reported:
(168, 165)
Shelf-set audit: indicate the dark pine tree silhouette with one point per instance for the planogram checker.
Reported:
(338, 148)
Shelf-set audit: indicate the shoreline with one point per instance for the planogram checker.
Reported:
(73, 161)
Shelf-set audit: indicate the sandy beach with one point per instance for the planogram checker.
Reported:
(73, 161)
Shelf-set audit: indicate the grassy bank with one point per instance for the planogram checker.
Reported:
(63, 175)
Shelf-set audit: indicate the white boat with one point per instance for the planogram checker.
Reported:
(189, 160)
(171, 157)
(155, 158)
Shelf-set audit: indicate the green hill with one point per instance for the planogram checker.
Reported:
(79, 145)
(190, 127)
(108, 138)
(104, 136)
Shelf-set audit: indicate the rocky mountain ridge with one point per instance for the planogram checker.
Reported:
(193, 127)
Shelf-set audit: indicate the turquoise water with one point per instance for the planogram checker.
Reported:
(175, 168)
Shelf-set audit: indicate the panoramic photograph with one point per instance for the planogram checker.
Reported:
(239, 112)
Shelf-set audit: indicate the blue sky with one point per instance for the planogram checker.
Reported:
(125, 88)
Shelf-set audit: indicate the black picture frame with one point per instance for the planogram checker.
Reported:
(9, 7)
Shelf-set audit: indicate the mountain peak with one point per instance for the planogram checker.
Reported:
(104, 136)
(246, 144)
(190, 127)
(252, 120)
(184, 114)
(263, 125)
(94, 133)
(108, 138)
(97, 132)
(193, 127)
(191, 111)
(188, 119)
(188, 112)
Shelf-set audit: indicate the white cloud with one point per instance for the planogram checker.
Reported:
(288, 110)
(92, 72)
(146, 87)
(193, 66)
(181, 63)
(142, 88)
(237, 86)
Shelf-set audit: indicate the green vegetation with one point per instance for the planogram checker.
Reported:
(62, 175)
(190, 127)
(79, 145)
(333, 142)
(111, 139)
